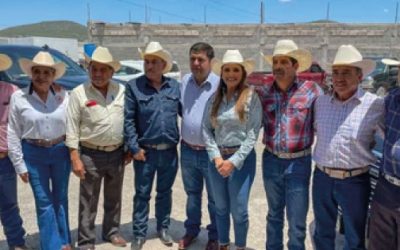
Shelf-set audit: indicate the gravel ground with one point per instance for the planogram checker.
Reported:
(257, 212)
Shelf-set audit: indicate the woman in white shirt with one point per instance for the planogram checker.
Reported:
(231, 122)
(36, 134)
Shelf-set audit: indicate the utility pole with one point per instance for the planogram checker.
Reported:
(327, 11)
(130, 20)
(145, 13)
(205, 14)
(262, 13)
(261, 39)
(88, 11)
(397, 12)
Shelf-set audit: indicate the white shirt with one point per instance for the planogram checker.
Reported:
(346, 130)
(31, 118)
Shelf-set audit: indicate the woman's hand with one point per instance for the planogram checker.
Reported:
(24, 177)
(226, 168)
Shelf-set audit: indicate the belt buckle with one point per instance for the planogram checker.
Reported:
(336, 174)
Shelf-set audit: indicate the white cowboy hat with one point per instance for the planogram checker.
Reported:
(232, 56)
(103, 55)
(42, 58)
(348, 55)
(390, 62)
(5, 62)
(290, 49)
(155, 49)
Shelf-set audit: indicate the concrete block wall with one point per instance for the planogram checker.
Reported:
(322, 39)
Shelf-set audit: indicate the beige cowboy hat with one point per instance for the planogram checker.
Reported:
(348, 55)
(5, 62)
(232, 56)
(289, 48)
(390, 62)
(155, 49)
(42, 58)
(103, 55)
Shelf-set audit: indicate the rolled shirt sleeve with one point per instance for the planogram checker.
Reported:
(14, 134)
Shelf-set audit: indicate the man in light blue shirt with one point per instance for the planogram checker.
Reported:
(197, 87)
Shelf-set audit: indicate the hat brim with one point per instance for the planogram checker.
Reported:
(366, 65)
(5, 62)
(303, 57)
(27, 65)
(390, 62)
(115, 65)
(163, 54)
(248, 65)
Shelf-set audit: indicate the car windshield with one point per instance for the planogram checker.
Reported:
(16, 53)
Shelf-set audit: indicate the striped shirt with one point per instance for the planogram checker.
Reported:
(288, 115)
(391, 148)
(346, 130)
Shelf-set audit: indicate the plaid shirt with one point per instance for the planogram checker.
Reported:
(288, 117)
(391, 149)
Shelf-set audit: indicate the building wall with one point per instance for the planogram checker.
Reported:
(322, 39)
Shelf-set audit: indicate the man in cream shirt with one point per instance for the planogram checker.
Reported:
(95, 126)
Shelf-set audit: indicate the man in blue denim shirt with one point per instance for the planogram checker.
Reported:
(196, 89)
(151, 134)
(384, 225)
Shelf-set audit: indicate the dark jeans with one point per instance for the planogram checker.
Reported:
(384, 227)
(232, 197)
(9, 211)
(49, 170)
(194, 167)
(352, 195)
(165, 164)
(107, 166)
(286, 183)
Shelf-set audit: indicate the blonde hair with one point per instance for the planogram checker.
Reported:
(243, 91)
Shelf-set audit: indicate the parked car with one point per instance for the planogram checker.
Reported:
(314, 73)
(74, 75)
(132, 69)
(382, 79)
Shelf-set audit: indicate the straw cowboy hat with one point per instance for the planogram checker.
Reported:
(5, 62)
(42, 58)
(348, 55)
(155, 49)
(103, 55)
(390, 62)
(232, 56)
(290, 49)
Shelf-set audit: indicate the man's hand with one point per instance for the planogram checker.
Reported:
(77, 165)
(226, 168)
(140, 156)
(128, 158)
(24, 177)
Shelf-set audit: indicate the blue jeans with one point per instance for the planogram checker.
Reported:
(165, 164)
(9, 211)
(49, 170)
(352, 195)
(232, 196)
(286, 183)
(194, 167)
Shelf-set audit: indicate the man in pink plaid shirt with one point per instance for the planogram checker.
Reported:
(288, 136)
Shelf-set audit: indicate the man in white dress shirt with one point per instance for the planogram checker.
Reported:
(345, 121)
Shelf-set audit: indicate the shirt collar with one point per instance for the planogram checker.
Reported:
(357, 96)
(165, 81)
(211, 78)
(30, 89)
(294, 86)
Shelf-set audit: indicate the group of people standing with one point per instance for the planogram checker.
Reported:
(101, 126)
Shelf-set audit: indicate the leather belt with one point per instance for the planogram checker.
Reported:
(162, 146)
(194, 146)
(3, 155)
(46, 143)
(343, 173)
(285, 155)
(108, 148)
(229, 150)
(395, 181)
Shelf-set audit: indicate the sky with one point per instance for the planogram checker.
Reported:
(19, 12)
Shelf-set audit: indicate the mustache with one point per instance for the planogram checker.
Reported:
(278, 71)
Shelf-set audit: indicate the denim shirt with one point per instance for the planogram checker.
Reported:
(391, 148)
(230, 131)
(151, 114)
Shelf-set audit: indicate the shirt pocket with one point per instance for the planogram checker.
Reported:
(145, 104)
(299, 111)
(94, 113)
(172, 103)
